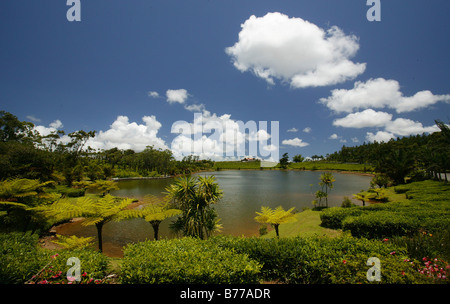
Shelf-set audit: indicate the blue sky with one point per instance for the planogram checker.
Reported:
(320, 68)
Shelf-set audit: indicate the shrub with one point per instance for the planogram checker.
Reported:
(333, 217)
(186, 260)
(93, 267)
(318, 260)
(19, 257)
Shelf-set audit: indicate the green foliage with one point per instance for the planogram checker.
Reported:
(317, 260)
(236, 165)
(275, 217)
(73, 242)
(19, 257)
(186, 261)
(284, 161)
(427, 209)
(347, 203)
(195, 198)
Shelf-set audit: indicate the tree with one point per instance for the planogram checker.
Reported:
(284, 161)
(104, 186)
(361, 197)
(19, 197)
(96, 212)
(195, 198)
(155, 211)
(298, 158)
(326, 182)
(275, 217)
(12, 129)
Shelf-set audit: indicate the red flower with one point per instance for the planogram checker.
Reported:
(392, 253)
(385, 240)
(344, 261)
(84, 274)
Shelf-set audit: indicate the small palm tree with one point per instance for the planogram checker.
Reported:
(275, 217)
(96, 212)
(195, 197)
(326, 182)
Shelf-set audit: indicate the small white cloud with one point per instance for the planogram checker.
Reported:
(293, 130)
(295, 51)
(153, 94)
(307, 130)
(364, 119)
(195, 107)
(406, 127)
(176, 96)
(379, 93)
(296, 142)
(333, 136)
(380, 136)
(355, 140)
(57, 124)
(33, 118)
(53, 127)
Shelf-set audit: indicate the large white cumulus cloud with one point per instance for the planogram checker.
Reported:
(124, 134)
(295, 51)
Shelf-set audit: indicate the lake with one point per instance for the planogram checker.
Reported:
(245, 191)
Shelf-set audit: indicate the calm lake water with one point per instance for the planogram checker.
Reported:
(245, 191)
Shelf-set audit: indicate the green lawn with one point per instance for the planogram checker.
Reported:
(307, 224)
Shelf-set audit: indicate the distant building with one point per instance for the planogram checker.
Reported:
(249, 159)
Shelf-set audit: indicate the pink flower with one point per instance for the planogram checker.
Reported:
(84, 274)
(392, 253)
(385, 240)
(54, 256)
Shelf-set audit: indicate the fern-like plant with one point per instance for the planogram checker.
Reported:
(96, 211)
(73, 242)
(275, 217)
(155, 211)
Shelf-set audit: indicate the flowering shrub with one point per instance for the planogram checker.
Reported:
(93, 269)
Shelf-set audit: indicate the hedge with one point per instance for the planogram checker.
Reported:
(317, 260)
(186, 260)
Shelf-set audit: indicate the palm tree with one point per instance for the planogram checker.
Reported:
(155, 211)
(275, 217)
(326, 181)
(96, 212)
(195, 197)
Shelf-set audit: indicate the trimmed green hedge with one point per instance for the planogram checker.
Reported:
(427, 209)
(318, 260)
(186, 260)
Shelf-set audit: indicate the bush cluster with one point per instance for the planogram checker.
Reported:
(21, 259)
(318, 260)
(186, 260)
(426, 210)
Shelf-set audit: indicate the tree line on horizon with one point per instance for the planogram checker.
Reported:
(24, 153)
(418, 156)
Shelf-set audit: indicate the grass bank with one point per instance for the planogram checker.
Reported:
(312, 165)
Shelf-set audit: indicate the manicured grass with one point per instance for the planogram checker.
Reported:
(316, 165)
(307, 224)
